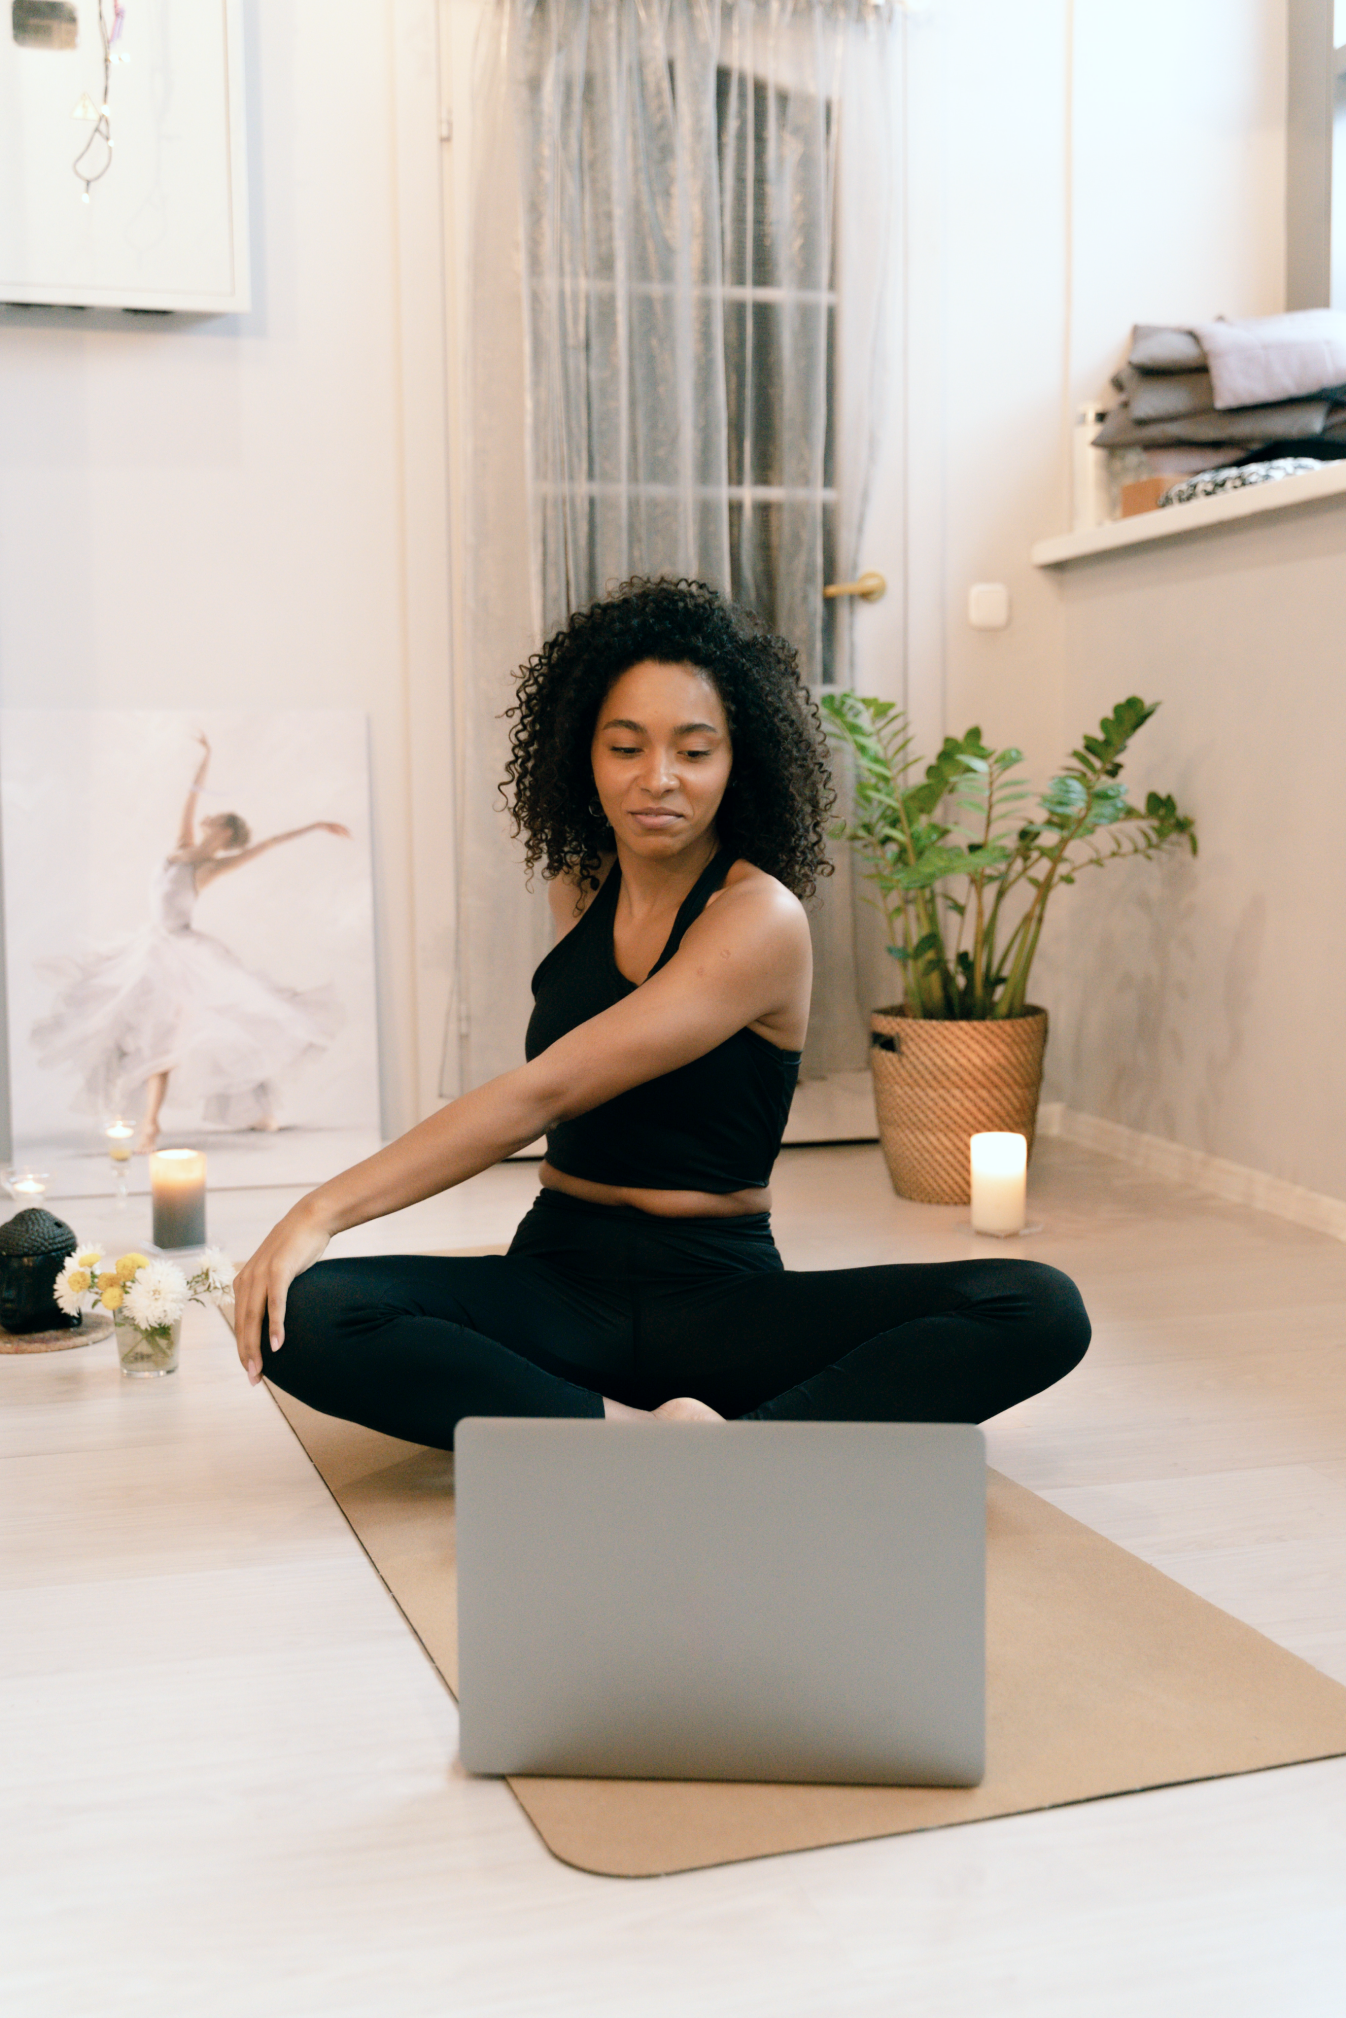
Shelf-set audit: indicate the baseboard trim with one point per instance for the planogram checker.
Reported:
(1216, 1174)
(838, 1108)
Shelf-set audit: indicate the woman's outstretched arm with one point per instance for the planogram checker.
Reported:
(187, 824)
(744, 960)
(221, 864)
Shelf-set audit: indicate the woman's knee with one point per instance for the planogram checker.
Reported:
(327, 1299)
(322, 1313)
(312, 1298)
(1042, 1304)
(1057, 1315)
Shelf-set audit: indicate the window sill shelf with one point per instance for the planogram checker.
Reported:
(1199, 516)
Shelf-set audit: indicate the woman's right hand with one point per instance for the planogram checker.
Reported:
(262, 1285)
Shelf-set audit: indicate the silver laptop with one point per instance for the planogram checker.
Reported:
(723, 1601)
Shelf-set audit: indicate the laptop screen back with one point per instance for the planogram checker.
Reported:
(764, 1601)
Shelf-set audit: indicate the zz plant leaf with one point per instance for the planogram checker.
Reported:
(962, 870)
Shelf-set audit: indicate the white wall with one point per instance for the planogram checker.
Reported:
(1092, 165)
(1200, 1000)
(240, 511)
(1170, 982)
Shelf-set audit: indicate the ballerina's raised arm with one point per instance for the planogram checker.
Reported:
(225, 841)
(187, 824)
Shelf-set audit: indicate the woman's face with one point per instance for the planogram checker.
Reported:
(661, 757)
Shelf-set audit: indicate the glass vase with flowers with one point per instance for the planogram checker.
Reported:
(146, 1299)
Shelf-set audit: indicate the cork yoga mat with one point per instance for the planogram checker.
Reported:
(1103, 1677)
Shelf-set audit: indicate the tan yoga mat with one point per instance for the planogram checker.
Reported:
(1103, 1677)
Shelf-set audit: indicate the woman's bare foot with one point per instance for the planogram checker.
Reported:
(686, 1408)
(620, 1411)
(147, 1140)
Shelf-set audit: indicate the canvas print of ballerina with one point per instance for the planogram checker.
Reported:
(239, 999)
(175, 1000)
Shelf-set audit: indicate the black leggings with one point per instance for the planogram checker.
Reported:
(596, 1300)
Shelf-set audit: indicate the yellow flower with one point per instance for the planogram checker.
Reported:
(113, 1296)
(130, 1264)
(107, 1280)
(79, 1280)
(88, 1257)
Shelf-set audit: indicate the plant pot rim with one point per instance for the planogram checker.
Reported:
(897, 1011)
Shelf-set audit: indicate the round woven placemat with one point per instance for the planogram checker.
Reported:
(95, 1326)
(938, 1084)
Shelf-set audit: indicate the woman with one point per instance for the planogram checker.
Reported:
(174, 1001)
(668, 773)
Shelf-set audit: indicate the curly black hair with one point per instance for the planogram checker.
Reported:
(775, 808)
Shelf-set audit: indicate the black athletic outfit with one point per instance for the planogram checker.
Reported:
(595, 1300)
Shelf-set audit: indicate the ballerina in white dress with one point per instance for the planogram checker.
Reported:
(175, 1003)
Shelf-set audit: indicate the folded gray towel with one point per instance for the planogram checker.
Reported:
(1155, 347)
(1249, 426)
(1274, 357)
(1165, 395)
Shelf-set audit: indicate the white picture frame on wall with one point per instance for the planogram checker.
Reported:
(164, 225)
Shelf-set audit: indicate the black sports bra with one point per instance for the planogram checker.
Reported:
(714, 1125)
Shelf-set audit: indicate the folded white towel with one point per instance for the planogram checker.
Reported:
(1274, 357)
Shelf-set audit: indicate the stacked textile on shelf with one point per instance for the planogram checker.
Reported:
(1218, 393)
(1243, 476)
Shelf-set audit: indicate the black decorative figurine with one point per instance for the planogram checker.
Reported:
(34, 1245)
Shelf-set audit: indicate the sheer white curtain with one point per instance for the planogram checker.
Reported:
(683, 216)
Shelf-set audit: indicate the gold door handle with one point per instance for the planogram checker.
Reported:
(869, 588)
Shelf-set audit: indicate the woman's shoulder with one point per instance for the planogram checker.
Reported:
(747, 885)
(752, 903)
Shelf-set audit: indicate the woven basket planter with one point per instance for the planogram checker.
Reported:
(936, 1085)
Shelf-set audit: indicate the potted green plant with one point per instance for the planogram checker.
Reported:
(964, 857)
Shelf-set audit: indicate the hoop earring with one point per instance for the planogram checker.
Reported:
(596, 811)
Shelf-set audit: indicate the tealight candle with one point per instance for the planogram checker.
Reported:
(119, 1135)
(999, 1181)
(28, 1186)
(178, 1189)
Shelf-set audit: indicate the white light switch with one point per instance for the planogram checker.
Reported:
(988, 606)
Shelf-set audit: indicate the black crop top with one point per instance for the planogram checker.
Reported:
(712, 1125)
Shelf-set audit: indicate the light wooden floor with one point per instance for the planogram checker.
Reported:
(229, 1776)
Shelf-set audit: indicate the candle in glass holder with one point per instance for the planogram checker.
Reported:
(999, 1182)
(178, 1189)
(28, 1186)
(119, 1137)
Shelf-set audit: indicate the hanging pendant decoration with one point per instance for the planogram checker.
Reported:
(94, 159)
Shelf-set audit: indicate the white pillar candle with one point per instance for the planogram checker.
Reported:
(999, 1181)
(178, 1188)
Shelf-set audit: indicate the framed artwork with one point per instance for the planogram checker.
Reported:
(123, 160)
(189, 935)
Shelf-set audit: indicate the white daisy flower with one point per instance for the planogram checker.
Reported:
(86, 1257)
(215, 1276)
(157, 1297)
(68, 1298)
